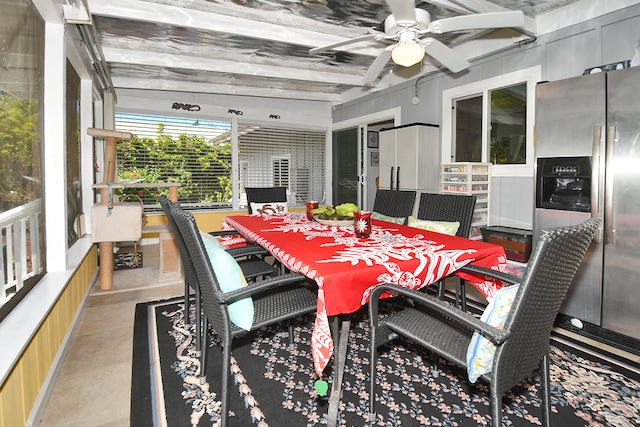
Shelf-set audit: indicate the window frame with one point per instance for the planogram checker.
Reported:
(531, 76)
(297, 144)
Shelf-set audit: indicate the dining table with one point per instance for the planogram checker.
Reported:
(347, 268)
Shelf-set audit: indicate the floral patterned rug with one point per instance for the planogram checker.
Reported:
(273, 384)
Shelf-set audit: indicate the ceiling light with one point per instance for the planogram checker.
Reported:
(407, 53)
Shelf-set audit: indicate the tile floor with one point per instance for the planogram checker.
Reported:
(96, 371)
(93, 387)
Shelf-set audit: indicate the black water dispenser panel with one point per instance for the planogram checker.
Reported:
(564, 183)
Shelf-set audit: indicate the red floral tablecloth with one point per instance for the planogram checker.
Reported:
(347, 269)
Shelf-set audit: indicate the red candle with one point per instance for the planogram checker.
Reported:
(311, 206)
(362, 224)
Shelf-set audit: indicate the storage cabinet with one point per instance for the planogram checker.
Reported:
(469, 178)
(410, 157)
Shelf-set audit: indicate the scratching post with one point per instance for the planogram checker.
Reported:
(106, 248)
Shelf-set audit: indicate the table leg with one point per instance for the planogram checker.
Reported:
(340, 340)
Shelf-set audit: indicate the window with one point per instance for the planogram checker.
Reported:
(492, 121)
(22, 255)
(74, 189)
(198, 154)
(292, 158)
(468, 129)
(195, 153)
(281, 172)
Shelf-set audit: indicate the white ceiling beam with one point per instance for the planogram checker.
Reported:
(190, 18)
(185, 86)
(137, 57)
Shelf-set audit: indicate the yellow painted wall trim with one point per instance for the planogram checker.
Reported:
(22, 386)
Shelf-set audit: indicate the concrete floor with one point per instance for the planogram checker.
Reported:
(93, 387)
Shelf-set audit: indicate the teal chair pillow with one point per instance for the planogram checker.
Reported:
(444, 227)
(481, 351)
(382, 217)
(230, 277)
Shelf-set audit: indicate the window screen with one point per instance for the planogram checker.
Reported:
(291, 158)
(196, 153)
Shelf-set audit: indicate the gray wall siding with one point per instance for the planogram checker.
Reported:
(561, 54)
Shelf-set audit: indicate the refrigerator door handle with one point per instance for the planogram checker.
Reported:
(595, 178)
(609, 232)
(398, 178)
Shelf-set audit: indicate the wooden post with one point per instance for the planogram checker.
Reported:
(173, 193)
(106, 248)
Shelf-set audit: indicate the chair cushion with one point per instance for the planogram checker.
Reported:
(481, 351)
(269, 208)
(230, 277)
(444, 227)
(382, 217)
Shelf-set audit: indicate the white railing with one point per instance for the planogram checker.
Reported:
(20, 256)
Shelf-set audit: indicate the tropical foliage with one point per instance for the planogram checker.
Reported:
(20, 166)
(189, 160)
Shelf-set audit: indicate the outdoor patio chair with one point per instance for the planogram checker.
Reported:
(251, 267)
(449, 208)
(265, 195)
(521, 332)
(394, 203)
(271, 300)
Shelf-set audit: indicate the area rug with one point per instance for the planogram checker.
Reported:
(273, 384)
(125, 261)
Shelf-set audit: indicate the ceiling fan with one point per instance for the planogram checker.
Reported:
(407, 25)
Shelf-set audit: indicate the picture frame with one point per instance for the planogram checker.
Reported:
(372, 139)
(375, 158)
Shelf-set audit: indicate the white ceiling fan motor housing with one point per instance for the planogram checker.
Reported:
(423, 19)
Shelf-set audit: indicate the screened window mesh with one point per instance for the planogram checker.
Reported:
(197, 153)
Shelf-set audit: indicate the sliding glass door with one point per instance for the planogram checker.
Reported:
(345, 166)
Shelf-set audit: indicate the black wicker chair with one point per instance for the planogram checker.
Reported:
(523, 344)
(451, 208)
(275, 299)
(265, 195)
(395, 203)
(251, 267)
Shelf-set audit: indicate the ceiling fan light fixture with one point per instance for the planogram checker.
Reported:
(407, 53)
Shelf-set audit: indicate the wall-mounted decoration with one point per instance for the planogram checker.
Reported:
(188, 107)
(236, 112)
(274, 116)
(375, 156)
(372, 139)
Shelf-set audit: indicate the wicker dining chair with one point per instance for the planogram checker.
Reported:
(251, 267)
(450, 208)
(274, 299)
(395, 203)
(265, 195)
(522, 345)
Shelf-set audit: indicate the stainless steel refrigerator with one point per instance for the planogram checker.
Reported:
(587, 149)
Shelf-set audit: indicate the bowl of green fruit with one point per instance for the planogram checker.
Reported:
(340, 215)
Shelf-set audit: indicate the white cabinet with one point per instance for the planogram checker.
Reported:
(470, 178)
(410, 157)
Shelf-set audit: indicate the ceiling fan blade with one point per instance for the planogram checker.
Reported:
(444, 55)
(317, 50)
(403, 11)
(377, 66)
(480, 20)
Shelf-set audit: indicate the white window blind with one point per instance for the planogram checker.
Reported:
(291, 158)
(196, 153)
